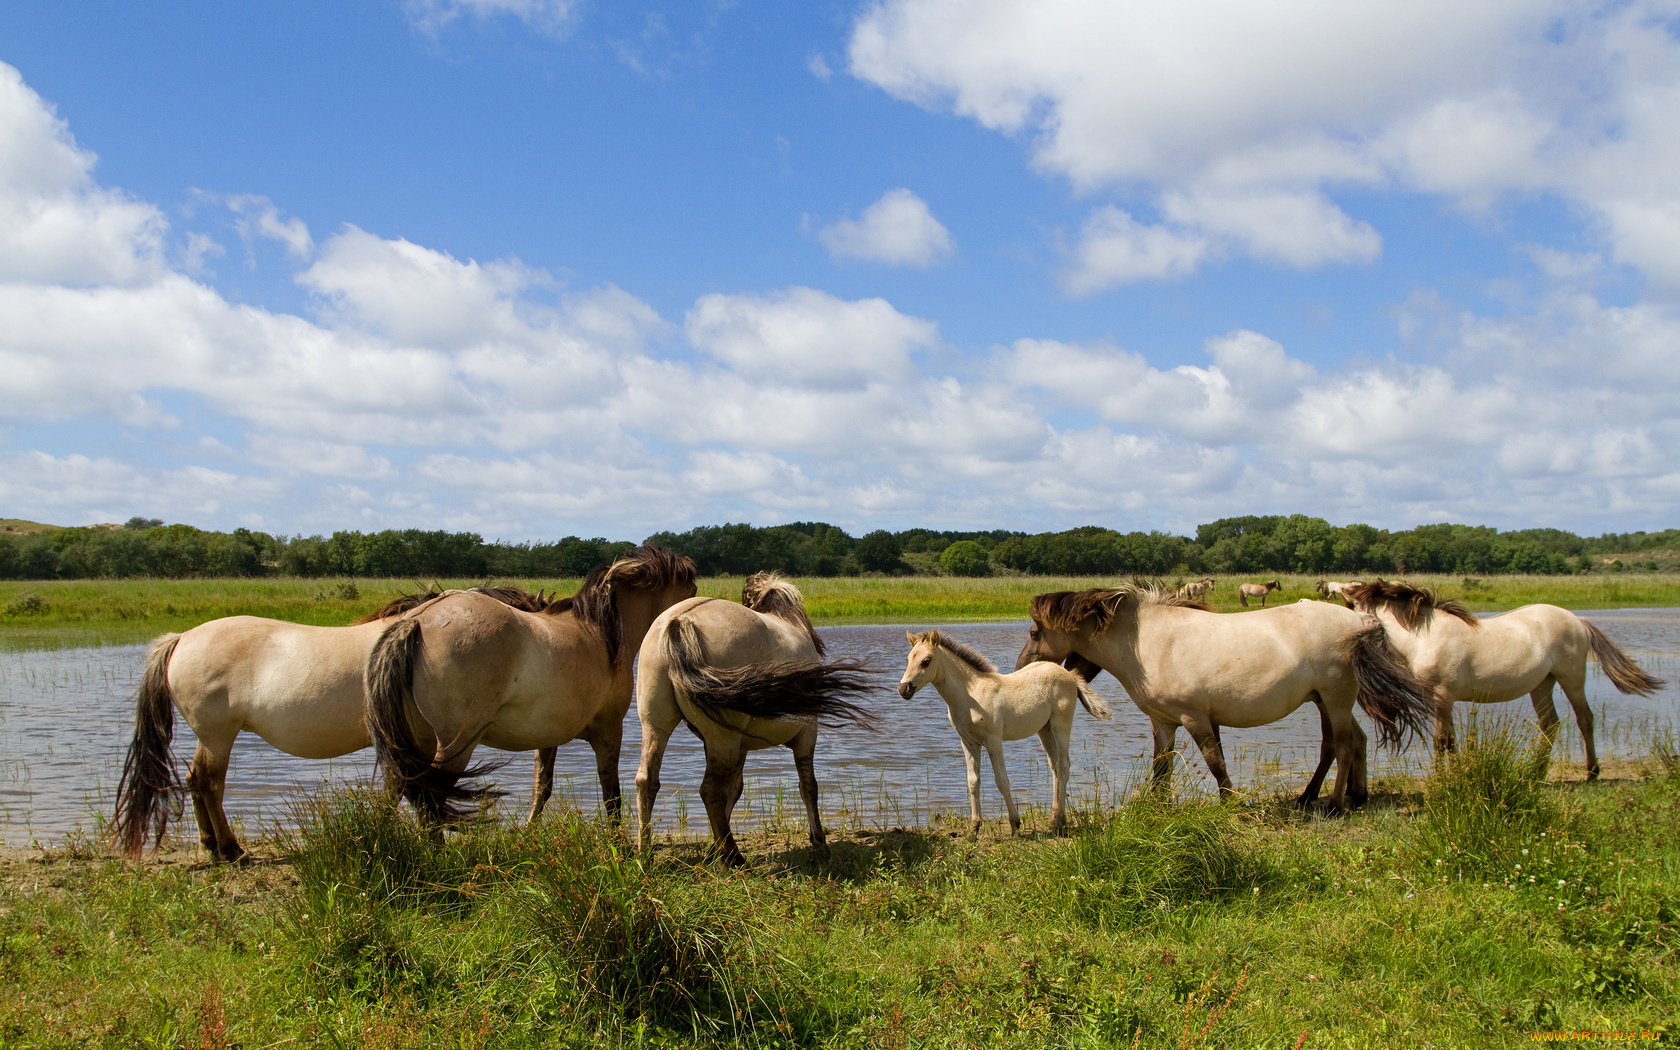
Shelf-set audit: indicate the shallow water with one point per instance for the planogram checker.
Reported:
(66, 716)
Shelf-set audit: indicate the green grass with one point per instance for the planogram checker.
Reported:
(1181, 925)
(64, 613)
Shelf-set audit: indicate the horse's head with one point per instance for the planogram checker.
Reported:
(1060, 619)
(920, 667)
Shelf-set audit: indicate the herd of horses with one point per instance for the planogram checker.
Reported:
(431, 676)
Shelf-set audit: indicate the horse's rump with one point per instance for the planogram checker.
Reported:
(802, 691)
(773, 594)
(1397, 701)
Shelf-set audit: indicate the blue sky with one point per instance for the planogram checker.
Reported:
(539, 267)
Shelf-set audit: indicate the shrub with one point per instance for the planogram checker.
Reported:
(30, 604)
(966, 558)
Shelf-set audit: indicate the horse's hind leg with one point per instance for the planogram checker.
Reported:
(1575, 690)
(1166, 748)
(1445, 741)
(1055, 738)
(207, 782)
(606, 737)
(1326, 755)
(542, 781)
(720, 788)
(657, 709)
(804, 746)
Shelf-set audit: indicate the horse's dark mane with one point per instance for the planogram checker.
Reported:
(1067, 610)
(522, 600)
(773, 594)
(959, 650)
(642, 568)
(1410, 605)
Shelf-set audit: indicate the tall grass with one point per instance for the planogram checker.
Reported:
(1487, 803)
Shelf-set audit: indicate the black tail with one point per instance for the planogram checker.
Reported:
(812, 692)
(434, 792)
(1397, 701)
(149, 780)
(1628, 676)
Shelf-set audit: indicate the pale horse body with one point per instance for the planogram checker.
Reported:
(464, 671)
(1332, 589)
(1197, 590)
(298, 687)
(742, 677)
(1245, 591)
(1186, 666)
(1463, 658)
(987, 708)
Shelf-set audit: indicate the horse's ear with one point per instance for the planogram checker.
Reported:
(910, 637)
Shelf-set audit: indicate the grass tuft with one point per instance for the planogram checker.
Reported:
(1487, 803)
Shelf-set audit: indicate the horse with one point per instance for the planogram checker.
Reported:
(1331, 589)
(987, 708)
(1245, 591)
(297, 686)
(742, 677)
(1197, 590)
(1184, 665)
(1462, 657)
(465, 670)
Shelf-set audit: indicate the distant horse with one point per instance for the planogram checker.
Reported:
(298, 687)
(987, 708)
(742, 677)
(1198, 590)
(1185, 665)
(1245, 591)
(464, 670)
(1332, 589)
(1462, 657)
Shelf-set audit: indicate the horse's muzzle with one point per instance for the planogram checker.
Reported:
(906, 689)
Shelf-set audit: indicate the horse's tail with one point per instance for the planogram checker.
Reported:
(1628, 676)
(1093, 703)
(1395, 698)
(149, 778)
(811, 692)
(433, 791)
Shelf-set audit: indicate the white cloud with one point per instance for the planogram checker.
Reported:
(1116, 249)
(804, 336)
(897, 230)
(550, 17)
(1241, 119)
(258, 217)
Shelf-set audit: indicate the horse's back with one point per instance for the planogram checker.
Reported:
(298, 686)
(736, 636)
(1518, 649)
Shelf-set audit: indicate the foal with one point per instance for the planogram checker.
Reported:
(987, 708)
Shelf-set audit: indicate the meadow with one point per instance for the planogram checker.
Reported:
(1474, 908)
(67, 613)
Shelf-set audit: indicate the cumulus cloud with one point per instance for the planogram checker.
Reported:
(804, 336)
(897, 230)
(1239, 119)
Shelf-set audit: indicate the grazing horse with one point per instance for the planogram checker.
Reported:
(987, 708)
(1245, 591)
(1462, 657)
(742, 677)
(1331, 589)
(298, 687)
(1185, 665)
(463, 671)
(1198, 590)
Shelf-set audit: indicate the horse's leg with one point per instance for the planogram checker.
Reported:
(1326, 755)
(804, 747)
(207, 782)
(1359, 747)
(1055, 738)
(656, 707)
(1445, 740)
(542, 781)
(1206, 736)
(606, 736)
(1166, 747)
(720, 787)
(971, 758)
(994, 748)
(1343, 727)
(1575, 690)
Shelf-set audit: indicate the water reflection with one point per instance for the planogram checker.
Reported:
(66, 717)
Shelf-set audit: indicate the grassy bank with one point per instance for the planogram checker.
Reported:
(1468, 910)
(60, 613)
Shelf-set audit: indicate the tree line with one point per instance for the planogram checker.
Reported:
(1295, 543)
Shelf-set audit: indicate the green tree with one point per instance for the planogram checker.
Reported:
(965, 558)
(880, 551)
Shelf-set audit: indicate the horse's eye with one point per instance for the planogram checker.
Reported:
(926, 660)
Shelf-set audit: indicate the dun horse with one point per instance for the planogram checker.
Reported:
(742, 677)
(1332, 589)
(1196, 590)
(1245, 591)
(987, 708)
(1464, 658)
(1184, 665)
(296, 686)
(468, 671)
